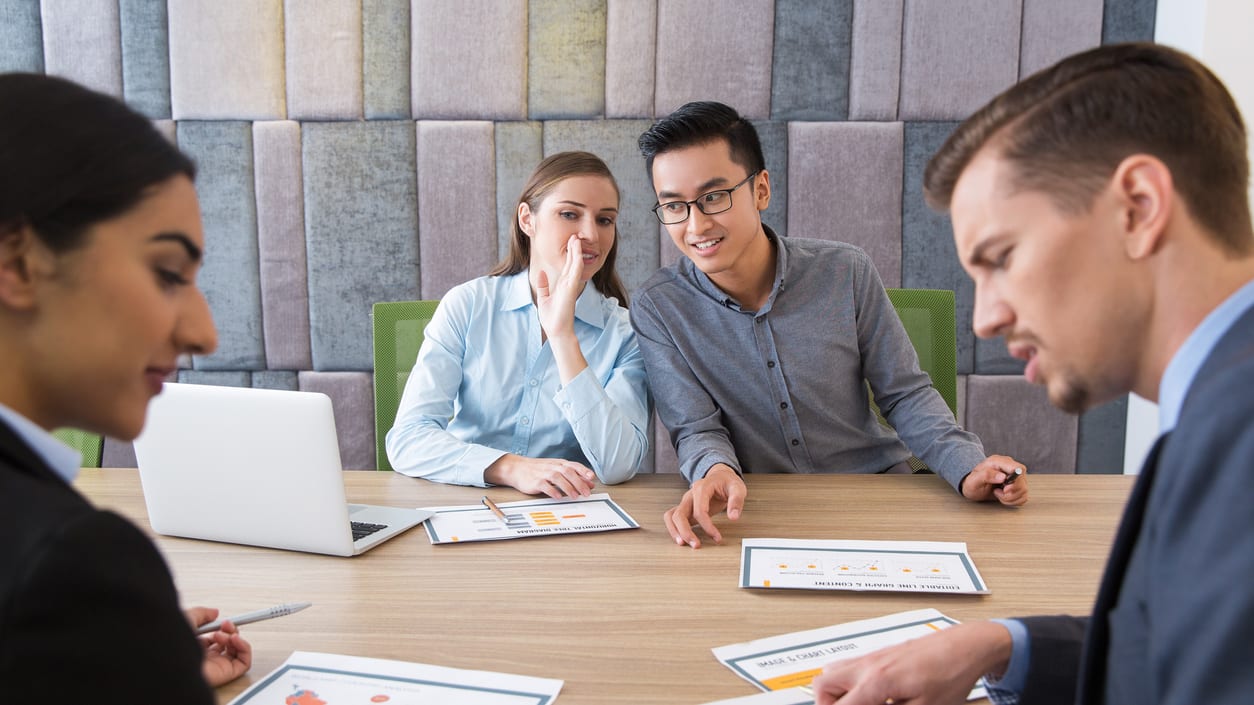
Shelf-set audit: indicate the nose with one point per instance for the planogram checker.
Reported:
(194, 331)
(992, 316)
(697, 221)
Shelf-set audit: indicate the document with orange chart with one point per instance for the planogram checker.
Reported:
(892, 566)
(793, 660)
(533, 517)
(309, 678)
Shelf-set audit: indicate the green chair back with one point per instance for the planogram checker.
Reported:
(90, 445)
(399, 328)
(928, 315)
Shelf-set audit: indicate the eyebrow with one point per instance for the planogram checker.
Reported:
(577, 204)
(703, 188)
(977, 256)
(192, 250)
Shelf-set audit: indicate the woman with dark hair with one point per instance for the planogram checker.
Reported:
(528, 377)
(100, 243)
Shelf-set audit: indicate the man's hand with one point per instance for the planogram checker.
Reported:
(720, 489)
(987, 481)
(227, 655)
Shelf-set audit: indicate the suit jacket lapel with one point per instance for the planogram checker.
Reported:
(15, 453)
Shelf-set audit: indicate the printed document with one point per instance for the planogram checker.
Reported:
(893, 566)
(534, 517)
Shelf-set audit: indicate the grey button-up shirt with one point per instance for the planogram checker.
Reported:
(782, 389)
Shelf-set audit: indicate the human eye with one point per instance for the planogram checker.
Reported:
(568, 215)
(674, 207)
(605, 220)
(169, 278)
(713, 198)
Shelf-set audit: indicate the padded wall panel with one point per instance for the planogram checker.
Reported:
(323, 45)
(83, 42)
(281, 245)
(810, 68)
(21, 37)
(352, 403)
(385, 58)
(665, 460)
(361, 221)
(774, 139)
(875, 60)
(566, 58)
(956, 55)
(929, 259)
(487, 57)
(168, 129)
(992, 357)
(117, 454)
(615, 142)
(846, 185)
(719, 51)
(630, 57)
(145, 56)
(1014, 417)
(230, 277)
(456, 204)
(1128, 21)
(518, 151)
(276, 379)
(1053, 29)
(1103, 431)
(216, 378)
(215, 79)
(962, 401)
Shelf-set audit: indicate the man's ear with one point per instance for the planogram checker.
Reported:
(1146, 196)
(762, 190)
(20, 252)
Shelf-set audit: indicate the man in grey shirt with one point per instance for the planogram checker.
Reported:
(757, 345)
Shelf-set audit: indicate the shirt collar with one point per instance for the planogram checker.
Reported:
(587, 306)
(711, 289)
(64, 460)
(1185, 364)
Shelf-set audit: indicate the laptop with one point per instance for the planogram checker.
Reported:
(258, 467)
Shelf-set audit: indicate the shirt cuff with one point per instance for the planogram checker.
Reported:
(579, 396)
(474, 463)
(1010, 685)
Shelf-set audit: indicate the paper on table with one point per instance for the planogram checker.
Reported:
(791, 660)
(894, 566)
(310, 678)
(534, 517)
(789, 696)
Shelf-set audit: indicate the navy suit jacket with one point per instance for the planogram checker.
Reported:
(1174, 617)
(88, 611)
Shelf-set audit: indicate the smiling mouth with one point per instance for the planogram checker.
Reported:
(707, 244)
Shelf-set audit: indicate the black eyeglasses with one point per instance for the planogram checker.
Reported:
(676, 212)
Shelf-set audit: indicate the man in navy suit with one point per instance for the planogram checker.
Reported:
(1101, 207)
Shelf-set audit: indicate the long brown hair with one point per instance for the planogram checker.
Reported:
(546, 176)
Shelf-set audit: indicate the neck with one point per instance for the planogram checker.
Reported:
(750, 282)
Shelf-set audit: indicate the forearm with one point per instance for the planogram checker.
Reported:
(568, 356)
(926, 425)
(423, 449)
(611, 432)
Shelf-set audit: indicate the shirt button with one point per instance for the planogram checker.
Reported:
(566, 405)
(783, 405)
(525, 421)
(770, 363)
(796, 442)
(534, 382)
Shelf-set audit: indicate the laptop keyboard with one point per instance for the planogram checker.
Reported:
(363, 529)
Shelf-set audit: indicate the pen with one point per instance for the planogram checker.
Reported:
(1011, 477)
(495, 510)
(250, 617)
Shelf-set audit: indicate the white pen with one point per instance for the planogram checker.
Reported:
(250, 617)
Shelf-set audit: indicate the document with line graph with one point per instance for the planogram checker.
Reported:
(533, 517)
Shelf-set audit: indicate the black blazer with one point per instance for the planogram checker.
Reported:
(1174, 616)
(88, 611)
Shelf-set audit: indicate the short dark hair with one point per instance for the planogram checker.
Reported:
(700, 123)
(1065, 130)
(71, 157)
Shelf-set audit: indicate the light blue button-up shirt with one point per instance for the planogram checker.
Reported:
(485, 385)
(64, 460)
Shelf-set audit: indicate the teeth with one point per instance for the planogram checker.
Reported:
(707, 245)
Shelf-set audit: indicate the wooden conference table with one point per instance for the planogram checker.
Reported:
(628, 616)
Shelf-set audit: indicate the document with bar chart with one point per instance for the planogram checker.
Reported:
(528, 518)
(892, 566)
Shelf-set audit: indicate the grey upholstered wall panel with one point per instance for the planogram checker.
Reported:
(1128, 20)
(213, 79)
(281, 245)
(615, 142)
(456, 203)
(168, 129)
(1103, 431)
(993, 358)
(630, 50)
(21, 36)
(276, 379)
(230, 277)
(145, 56)
(566, 58)
(715, 52)
(1053, 29)
(482, 74)
(846, 180)
(928, 257)
(875, 60)
(774, 139)
(323, 46)
(665, 460)
(1014, 417)
(385, 49)
(518, 151)
(957, 54)
(810, 70)
(361, 219)
(352, 403)
(82, 42)
(117, 454)
(216, 378)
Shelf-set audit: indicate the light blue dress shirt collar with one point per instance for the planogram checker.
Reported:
(1184, 365)
(64, 460)
(587, 306)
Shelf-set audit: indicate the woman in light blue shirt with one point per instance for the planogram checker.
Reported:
(529, 377)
